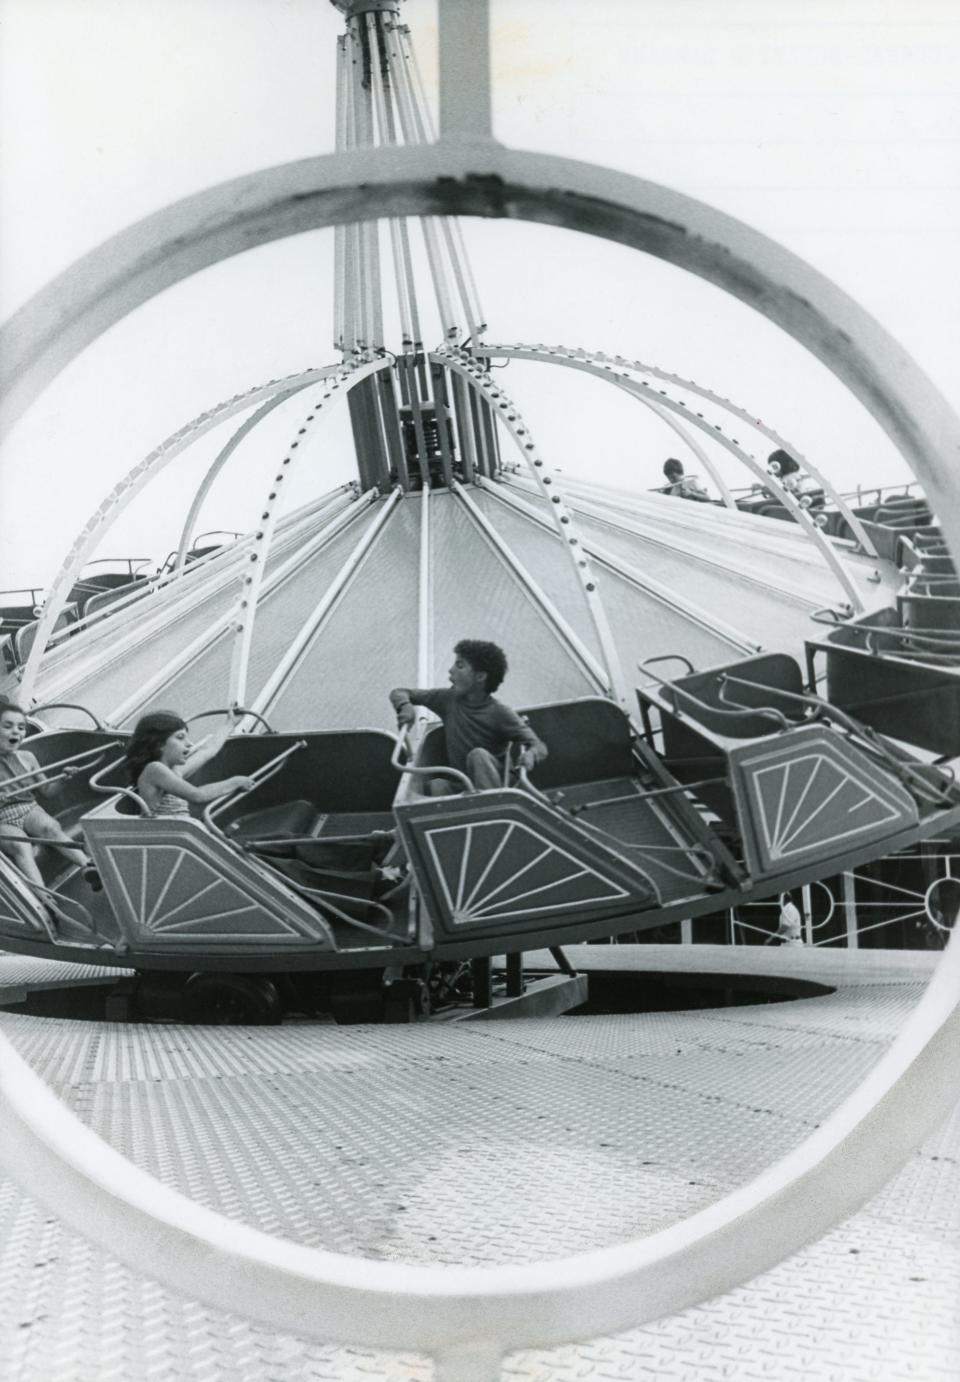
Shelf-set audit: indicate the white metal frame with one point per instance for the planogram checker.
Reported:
(661, 403)
(469, 1317)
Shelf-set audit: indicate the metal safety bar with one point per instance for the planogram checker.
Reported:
(452, 774)
(767, 712)
(48, 775)
(329, 900)
(86, 920)
(644, 794)
(900, 767)
(258, 777)
(237, 710)
(66, 705)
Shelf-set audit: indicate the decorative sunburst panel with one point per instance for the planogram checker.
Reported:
(20, 912)
(809, 791)
(169, 893)
(495, 869)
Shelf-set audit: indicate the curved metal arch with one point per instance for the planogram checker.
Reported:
(303, 382)
(462, 363)
(802, 1196)
(251, 581)
(286, 668)
(548, 611)
(692, 613)
(104, 517)
(771, 481)
(539, 354)
(619, 362)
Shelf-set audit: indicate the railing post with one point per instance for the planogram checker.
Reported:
(482, 989)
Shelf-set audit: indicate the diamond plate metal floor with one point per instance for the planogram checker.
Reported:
(495, 1142)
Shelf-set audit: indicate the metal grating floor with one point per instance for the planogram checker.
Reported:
(495, 1142)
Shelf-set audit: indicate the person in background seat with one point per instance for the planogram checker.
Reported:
(683, 486)
(793, 479)
(23, 820)
(479, 729)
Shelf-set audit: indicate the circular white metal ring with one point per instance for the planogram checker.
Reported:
(440, 1308)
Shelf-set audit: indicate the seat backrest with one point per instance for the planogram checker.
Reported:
(910, 701)
(337, 770)
(769, 673)
(588, 740)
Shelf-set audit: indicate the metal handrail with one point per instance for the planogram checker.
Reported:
(768, 712)
(900, 767)
(454, 774)
(239, 711)
(47, 775)
(667, 657)
(60, 899)
(306, 891)
(96, 780)
(66, 705)
(644, 795)
(130, 794)
(259, 776)
(833, 618)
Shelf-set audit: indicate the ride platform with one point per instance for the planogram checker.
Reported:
(497, 1142)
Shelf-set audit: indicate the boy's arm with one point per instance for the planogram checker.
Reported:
(518, 732)
(403, 699)
(209, 747)
(38, 785)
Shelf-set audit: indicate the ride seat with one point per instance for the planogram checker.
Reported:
(708, 707)
(286, 819)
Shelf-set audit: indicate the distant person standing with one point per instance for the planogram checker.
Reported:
(788, 929)
(683, 486)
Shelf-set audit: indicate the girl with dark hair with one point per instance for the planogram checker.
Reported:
(160, 758)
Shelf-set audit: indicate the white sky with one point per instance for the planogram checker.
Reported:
(831, 125)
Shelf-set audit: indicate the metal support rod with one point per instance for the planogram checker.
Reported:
(413, 132)
(198, 647)
(560, 516)
(744, 415)
(482, 987)
(425, 596)
(449, 225)
(568, 636)
(390, 424)
(789, 501)
(122, 494)
(465, 107)
(399, 241)
(253, 576)
(515, 974)
(563, 964)
(339, 231)
(441, 411)
(413, 394)
(220, 460)
(286, 667)
(641, 580)
(463, 421)
(848, 884)
(372, 228)
(353, 288)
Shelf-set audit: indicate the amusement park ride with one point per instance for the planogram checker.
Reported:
(741, 697)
